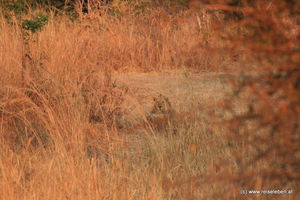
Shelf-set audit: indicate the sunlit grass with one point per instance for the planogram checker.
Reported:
(78, 120)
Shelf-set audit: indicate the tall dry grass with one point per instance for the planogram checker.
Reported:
(62, 134)
(67, 132)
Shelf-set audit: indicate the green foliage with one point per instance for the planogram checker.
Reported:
(36, 23)
(18, 7)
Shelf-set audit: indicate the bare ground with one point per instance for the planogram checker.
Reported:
(181, 88)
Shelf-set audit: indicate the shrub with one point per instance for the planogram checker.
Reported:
(265, 134)
(35, 24)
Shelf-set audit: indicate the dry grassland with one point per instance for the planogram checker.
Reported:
(109, 108)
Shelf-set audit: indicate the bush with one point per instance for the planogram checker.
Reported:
(36, 23)
(265, 134)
